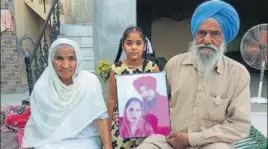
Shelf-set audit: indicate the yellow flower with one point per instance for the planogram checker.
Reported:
(103, 70)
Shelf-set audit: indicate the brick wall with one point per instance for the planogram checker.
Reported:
(10, 64)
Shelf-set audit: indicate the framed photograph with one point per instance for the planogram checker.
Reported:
(143, 105)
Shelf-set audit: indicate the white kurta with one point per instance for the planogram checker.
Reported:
(88, 138)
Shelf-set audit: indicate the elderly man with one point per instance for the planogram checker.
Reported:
(210, 97)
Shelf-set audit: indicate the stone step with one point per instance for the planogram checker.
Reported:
(82, 41)
(77, 30)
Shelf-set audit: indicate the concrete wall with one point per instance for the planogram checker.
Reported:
(79, 10)
(38, 7)
(107, 29)
(27, 21)
(170, 37)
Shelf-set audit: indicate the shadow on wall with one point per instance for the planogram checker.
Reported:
(170, 37)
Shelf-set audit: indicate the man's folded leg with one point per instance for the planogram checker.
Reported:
(155, 142)
(216, 145)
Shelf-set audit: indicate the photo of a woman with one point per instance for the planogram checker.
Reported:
(133, 123)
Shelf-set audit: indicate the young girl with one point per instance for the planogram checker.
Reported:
(134, 44)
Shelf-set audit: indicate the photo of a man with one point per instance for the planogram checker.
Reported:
(156, 105)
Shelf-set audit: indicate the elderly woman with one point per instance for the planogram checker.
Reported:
(68, 109)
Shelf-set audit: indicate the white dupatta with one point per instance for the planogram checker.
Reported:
(59, 111)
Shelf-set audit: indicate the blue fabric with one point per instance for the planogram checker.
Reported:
(222, 12)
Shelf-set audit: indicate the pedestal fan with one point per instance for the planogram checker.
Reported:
(254, 52)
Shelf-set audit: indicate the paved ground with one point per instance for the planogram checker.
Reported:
(14, 99)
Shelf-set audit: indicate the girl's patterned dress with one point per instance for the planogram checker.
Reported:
(121, 69)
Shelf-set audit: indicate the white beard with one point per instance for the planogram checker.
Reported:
(205, 58)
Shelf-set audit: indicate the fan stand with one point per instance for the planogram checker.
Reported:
(259, 99)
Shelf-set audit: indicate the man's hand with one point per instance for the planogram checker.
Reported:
(179, 140)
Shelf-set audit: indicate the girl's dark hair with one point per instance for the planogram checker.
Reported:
(161, 62)
(126, 33)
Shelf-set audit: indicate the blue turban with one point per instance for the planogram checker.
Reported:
(222, 12)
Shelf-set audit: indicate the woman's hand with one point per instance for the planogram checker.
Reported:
(116, 118)
(107, 147)
(105, 133)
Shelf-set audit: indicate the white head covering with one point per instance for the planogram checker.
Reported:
(59, 111)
